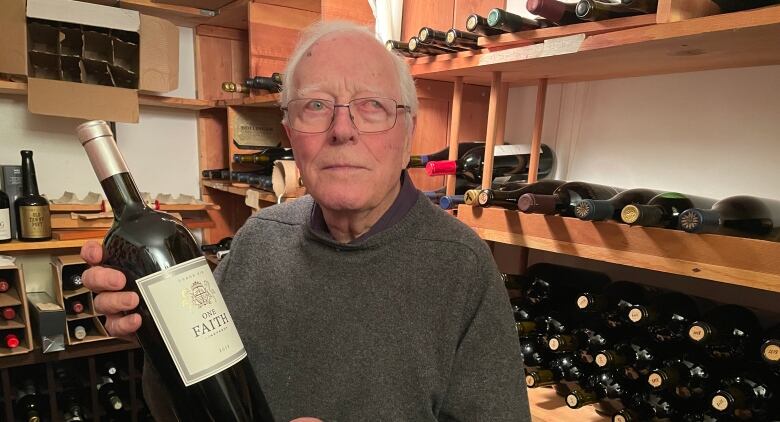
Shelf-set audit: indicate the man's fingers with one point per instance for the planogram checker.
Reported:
(92, 252)
(109, 303)
(123, 326)
(100, 279)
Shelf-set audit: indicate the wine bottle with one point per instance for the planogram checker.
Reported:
(28, 404)
(462, 39)
(261, 181)
(556, 286)
(770, 348)
(11, 340)
(508, 199)
(160, 258)
(735, 215)
(72, 282)
(727, 6)
(108, 394)
(564, 198)
(662, 210)
(554, 11)
(570, 373)
(604, 388)
(4, 285)
(509, 22)
(5, 218)
(667, 318)
(417, 46)
(470, 165)
(605, 209)
(430, 36)
(652, 406)
(580, 341)
(593, 10)
(271, 83)
(448, 202)
(748, 395)
(683, 376)
(401, 48)
(79, 332)
(219, 174)
(32, 210)
(222, 245)
(265, 157)
(633, 359)
(9, 313)
(642, 6)
(534, 354)
(74, 306)
(420, 160)
(727, 332)
(611, 297)
(479, 25)
(471, 197)
(72, 410)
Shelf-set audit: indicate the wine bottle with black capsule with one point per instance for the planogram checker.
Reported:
(479, 25)
(202, 362)
(401, 48)
(728, 332)
(662, 210)
(563, 200)
(222, 245)
(462, 39)
(430, 36)
(420, 160)
(510, 22)
(417, 46)
(266, 157)
(595, 10)
(554, 11)
(746, 216)
(508, 198)
(609, 209)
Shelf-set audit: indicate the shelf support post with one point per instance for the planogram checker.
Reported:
(492, 125)
(536, 138)
(457, 103)
(501, 122)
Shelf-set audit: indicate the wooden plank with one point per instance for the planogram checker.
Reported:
(221, 32)
(17, 246)
(217, 62)
(490, 137)
(503, 99)
(536, 136)
(13, 88)
(234, 15)
(731, 260)
(36, 356)
(677, 10)
(274, 30)
(173, 102)
(430, 134)
(457, 103)
(463, 8)
(78, 234)
(357, 11)
(737, 39)
(310, 5)
(587, 28)
(436, 14)
(198, 4)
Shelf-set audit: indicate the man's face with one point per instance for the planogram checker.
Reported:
(345, 170)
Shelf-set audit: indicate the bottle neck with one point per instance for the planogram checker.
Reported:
(29, 180)
(122, 194)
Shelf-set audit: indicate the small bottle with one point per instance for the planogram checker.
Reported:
(32, 210)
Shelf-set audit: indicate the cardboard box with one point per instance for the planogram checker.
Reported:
(85, 60)
(48, 321)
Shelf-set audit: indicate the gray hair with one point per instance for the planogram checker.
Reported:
(315, 32)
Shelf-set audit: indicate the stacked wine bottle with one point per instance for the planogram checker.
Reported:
(641, 354)
(251, 169)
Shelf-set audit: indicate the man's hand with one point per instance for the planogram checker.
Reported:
(109, 301)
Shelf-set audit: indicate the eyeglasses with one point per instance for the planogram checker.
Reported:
(369, 115)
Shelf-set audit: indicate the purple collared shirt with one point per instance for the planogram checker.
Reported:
(405, 200)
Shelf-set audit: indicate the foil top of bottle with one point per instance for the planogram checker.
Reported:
(589, 209)
(539, 204)
(630, 214)
(494, 17)
(471, 22)
(451, 35)
(413, 43)
(9, 313)
(441, 168)
(721, 401)
(619, 418)
(695, 220)
(770, 351)
(549, 9)
(93, 129)
(583, 9)
(425, 34)
(11, 340)
(699, 331)
(449, 202)
(103, 153)
(656, 379)
(471, 197)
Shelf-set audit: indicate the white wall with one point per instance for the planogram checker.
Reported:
(161, 151)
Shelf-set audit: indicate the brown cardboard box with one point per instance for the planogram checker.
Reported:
(87, 61)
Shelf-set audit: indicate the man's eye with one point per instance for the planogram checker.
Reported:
(315, 105)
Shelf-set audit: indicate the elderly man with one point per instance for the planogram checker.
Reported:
(362, 301)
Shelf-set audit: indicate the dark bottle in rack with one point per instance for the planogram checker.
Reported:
(401, 48)
(595, 10)
(435, 37)
(32, 210)
(508, 199)
(605, 389)
(5, 218)
(571, 373)
(470, 166)
(148, 247)
(420, 160)
(72, 281)
(748, 395)
(555, 287)
(417, 46)
(619, 294)
(9, 313)
(79, 331)
(107, 392)
(649, 406)
(770, 349)
(265, 157)
(666, 318)
(509, 22)
(462, 39)
(662, 210)
(565, 197)
(28, 402)
(4, 285)
(727, 332)
(217, 174)
(736, 215)
(479, 25)
(609, 209)
(684, 376)
(727, 6)
(74, 306)
(448, 202)
(12, 340)
(222, 245)
(634, 359)
(554, 11)
(535, 356)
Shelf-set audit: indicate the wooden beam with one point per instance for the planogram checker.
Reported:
(501, 122)
(678, 10)
(536, 137)
(457, 103)
(490, 137)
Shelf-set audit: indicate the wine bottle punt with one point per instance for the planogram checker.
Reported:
(209, 377)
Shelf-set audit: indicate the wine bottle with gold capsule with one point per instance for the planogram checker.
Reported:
(609, 209)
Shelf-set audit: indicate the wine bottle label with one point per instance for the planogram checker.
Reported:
(5, 224)
(35, 221)
(772, 353)
(655, 380)
(194, 321)
(720, 402)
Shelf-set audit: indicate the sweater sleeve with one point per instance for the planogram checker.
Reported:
(486, 381)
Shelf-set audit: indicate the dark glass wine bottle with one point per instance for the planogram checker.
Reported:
(684, 376)
(4, 285)
(554, 11)
(611, 298)
(509, 22)
(593, 10)
(462, 39)
(736, 215)
(563, 200)
(508, 199)
(265, 157)
(479, 25)
(605, 389)
(748, 395)
(571, 373)
(211, 378)
(5, 218)
(727, 332)
(653, 406)
(218, 174)
(556, 287)
(222, 245)
(32, 210)
(417, 46)
(535, 355)
(109, 397)
(435, 37)
(11, 340)
(470, 165)
(667, 318)
(606, 209)
(633, 359)
(401, 48)
(770, 349)
(28, 405)
(662, 211)
(420, 160)
(74, 306)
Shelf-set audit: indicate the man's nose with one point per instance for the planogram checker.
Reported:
(343, 128)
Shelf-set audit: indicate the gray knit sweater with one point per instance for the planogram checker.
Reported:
(412, 324)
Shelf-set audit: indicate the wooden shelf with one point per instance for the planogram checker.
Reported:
(264, 101)
(732, 260)
(17, 246)
(232, 15)
(227, 187)
(740, 39)
(10, 298)
(36, 356)
(546, 406)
